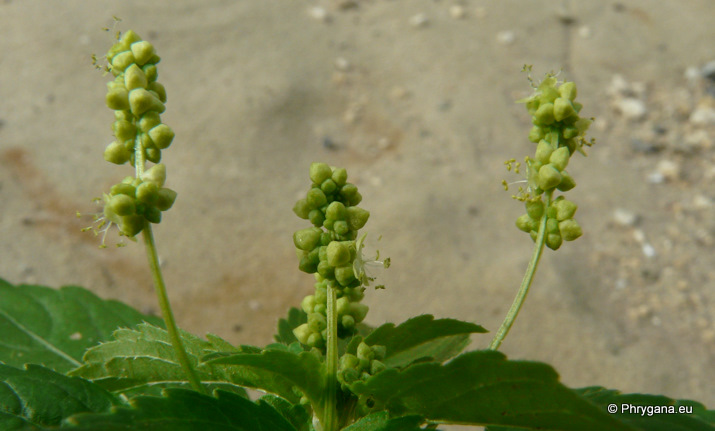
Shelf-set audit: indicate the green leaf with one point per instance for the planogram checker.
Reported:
(277, 372)
(54, 327)
(657, 413)
(483, 388)
(184, 410)
(286, 326)
(143, 361)
(422, 337)
(41, 397)
(380, 421)
(297, 415)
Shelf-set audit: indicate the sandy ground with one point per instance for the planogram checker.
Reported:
(416, 99)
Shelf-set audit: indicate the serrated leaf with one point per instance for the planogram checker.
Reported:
(380, 421)
(183, 410)
(422, 337)
(657, 413)
(276, 371)
(286, 326)
(143, 361)
(39, 397)
(54, 327)
(484, 388)
(296, 414)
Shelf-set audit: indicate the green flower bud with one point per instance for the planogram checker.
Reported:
(151, 72)
(564, 209)
(549, 177)
(338, 254)
(141, 101)
(317, 322)
(143, 51)
(320, 172)
(544, 115)
(128, 38)
(560, 158)
(569, 132)
(582, 125)
(535, 208)
(340, 176)
(552, 225)
(341, 227)
(123, 189)
(166, 199)
(543, 151)
(148, 193)
(355, 199)
(348, 376)
(134, 77)
(121, 61)
(124, 130)
(116, 153)
(342, 306)
(156, 174)
(302, 209)
(317, 218)
(320, 308)
(162, 135)
(344, 275)
(131, 225)
(348, 360)
(302, 333)
(316, 198)
(336, 211)
(153, 215)
(348, 190)
(328, 186)
(117, 98)
(563, 109)
(365, 352)
(376, 366)
(567, 90)
(553, 241)
(308, 304)
(526, 223)
(358, 311)
(157, 89)
(315, 340)
(536, 134)
(122, 205)
(356, 217)
(307, 239)
(348, 322)
(570, 230)
(325, 269)
(148, 121)
(307, 265)
(379, 351)
(567, 182)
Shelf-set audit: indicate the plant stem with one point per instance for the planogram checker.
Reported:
(525, 282)
(330, 412)
(166, 312)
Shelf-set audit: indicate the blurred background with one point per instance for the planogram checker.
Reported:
(416, 99)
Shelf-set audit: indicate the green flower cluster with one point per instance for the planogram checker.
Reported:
(366, 363)
(137, 100)
(558, 132)
(328, 250)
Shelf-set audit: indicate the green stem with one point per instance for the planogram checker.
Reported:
(330, 411)
(525, 282)
(166, 312)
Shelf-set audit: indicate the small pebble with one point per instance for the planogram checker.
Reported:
(625, 218)
(318, 13)
(584, 32)
(419, 20)
(457, 11)
(668, 169)
(342, 64)
(631, 108)
(506, 37)
(702, 116)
